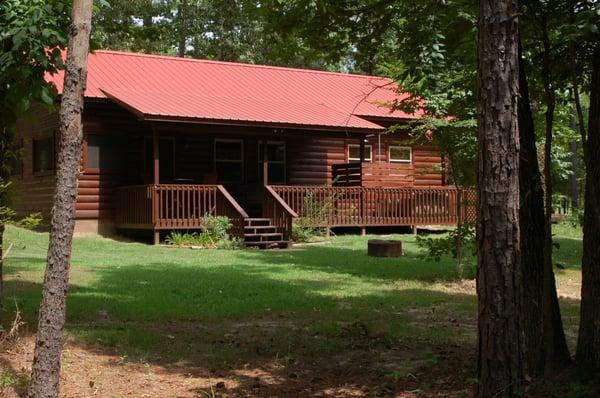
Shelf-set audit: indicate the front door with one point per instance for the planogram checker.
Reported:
(275, 162)
(166, 160)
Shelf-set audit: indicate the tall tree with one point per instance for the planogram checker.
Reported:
(588, 345)
(500, 358)
(45, 373)
(531, 218)
(545, 342)
(555, 349)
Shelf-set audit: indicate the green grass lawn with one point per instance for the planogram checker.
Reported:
(178, 305)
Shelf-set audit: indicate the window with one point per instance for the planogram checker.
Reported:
(354, 153)
(103, 153)
(229, 161)
(275, 162)
(16, 160)
(400, 154)
(43, 155)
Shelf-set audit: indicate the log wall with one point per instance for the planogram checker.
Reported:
(33, 192)
(309, 157)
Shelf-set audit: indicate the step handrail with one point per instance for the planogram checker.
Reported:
(281, 214)
(281, 202)
(232, 202)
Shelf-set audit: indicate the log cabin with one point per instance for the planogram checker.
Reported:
(169, 140)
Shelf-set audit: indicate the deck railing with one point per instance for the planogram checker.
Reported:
(362, 206)
(174, 206)
(279, 212)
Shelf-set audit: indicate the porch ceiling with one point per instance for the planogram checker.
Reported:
(194, 108)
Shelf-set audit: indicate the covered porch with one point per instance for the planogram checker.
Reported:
(250, 179)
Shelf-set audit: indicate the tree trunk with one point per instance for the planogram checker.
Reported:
(2, 228)
(556, 352)
(499, 285)
(531, 221)
(588, 345)
(573, 179)
(182, 16)
(45, 373)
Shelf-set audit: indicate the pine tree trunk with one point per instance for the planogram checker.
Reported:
(182, 17)
(45, 374)
(541, 312)
(499, 285)
(532, 231)
(573, 179)
(588, 345)
(556, 352)
(2, 228)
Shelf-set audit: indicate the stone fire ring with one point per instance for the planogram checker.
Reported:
(384, 248)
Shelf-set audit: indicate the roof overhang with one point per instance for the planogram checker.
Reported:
(196, 109)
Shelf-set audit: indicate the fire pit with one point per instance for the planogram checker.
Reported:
(384, 248)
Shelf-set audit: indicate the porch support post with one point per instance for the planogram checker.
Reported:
(156, 164)
(362, 193)
(265, 163)
(362, 150)
(155, 181)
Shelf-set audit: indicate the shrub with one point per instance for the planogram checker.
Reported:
(302, 233)
(214, 235)
(458, 242)
(31, 221)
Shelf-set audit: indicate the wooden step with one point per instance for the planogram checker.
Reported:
(251, 222)
(266, 234)
(260, 233)
(255, 229)
(271, 244)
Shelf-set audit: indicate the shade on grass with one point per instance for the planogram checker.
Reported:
(138, 297)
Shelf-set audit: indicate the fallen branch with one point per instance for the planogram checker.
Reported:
(5, 254)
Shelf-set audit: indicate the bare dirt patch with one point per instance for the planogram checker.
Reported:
(368, 368)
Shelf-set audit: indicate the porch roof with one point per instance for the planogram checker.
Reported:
(194, 90)
(190, 107)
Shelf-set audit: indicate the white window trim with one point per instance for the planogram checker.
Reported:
(283, 162)
(240, 161)
(367, 159)
(409, 160)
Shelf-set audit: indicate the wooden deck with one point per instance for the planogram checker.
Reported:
(173, 206)
(364, 207)
(166, 207)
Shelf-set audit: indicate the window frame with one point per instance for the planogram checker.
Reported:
(34, 159)
(19, 159)
(410, 153)
(367, 159)
(86, 159)
(240, 161)
(282, 162)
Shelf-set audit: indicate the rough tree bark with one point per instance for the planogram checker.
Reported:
(2, 228)
(45, 373)
(183, 23)
(588, 344)
(543, 351)
(555, 350)
(499, 286)
(531, 219)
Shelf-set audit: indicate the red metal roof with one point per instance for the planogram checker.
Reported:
(169, 88)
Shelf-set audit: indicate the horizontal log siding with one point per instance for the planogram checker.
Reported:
(95, 193)
(310, 155)
(33, 192)
(381, 173)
